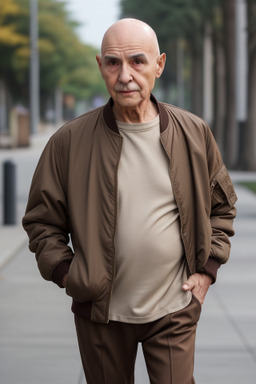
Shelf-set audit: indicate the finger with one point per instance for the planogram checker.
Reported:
(188, 285)
(185, 287)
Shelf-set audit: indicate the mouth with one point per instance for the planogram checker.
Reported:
(127, 92)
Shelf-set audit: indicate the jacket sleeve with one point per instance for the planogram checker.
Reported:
(46, 218)
(223, 211)
(222, 214)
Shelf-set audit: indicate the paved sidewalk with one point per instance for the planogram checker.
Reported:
(13, 237)
(226, 342)
(37, 338)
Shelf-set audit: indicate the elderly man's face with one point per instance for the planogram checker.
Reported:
(129, 65)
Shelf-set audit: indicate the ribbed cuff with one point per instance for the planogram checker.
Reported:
(59, 272)
(211, 268)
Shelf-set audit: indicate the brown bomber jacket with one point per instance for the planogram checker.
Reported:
(74, 192)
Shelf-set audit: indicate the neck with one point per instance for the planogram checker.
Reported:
(139, 114)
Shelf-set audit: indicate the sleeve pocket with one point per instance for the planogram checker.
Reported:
(222, 187)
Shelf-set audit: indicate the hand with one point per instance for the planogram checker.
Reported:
(64, 280)
(198, 284)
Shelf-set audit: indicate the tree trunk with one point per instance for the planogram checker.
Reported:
(250, 133)
(241, 77)
(197, 71)
(208, 76)
(180, 74)
(230, 135)
(219, 92)
(250, 139)
(3, 107)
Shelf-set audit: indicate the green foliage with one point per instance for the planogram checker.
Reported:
(8, 35)
(176, 23)
(251, 185)
(64, 60)
(12, 40)
(172, 19)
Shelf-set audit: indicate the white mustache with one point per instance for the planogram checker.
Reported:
(129, 87)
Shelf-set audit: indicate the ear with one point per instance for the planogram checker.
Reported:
(99, 61)
(160, 65)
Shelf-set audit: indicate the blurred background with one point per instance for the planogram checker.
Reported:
(49, 75)
(48, 72)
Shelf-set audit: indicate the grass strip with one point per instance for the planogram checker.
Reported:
(251, 185)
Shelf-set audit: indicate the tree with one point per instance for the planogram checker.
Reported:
(8, 33)
(230, 139)
(219, 105)
(190, 20)
(10, 42)
(65, 62)
(175, 21)
(249, 150)
(166, 19)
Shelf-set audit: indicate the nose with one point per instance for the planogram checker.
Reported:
(125, 75)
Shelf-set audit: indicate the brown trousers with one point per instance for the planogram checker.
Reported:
(108, 351)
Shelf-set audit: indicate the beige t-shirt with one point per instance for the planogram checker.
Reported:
(150, 262)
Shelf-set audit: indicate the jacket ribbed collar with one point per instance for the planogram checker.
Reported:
(111, 122)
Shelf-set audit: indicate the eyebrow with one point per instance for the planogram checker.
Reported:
(138, 55)
(134, 56)
(109, 57)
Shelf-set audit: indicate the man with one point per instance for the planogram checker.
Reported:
(141, 188)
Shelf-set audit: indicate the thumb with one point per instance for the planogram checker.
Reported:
(188, 285)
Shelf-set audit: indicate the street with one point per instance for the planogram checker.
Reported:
(37, 336)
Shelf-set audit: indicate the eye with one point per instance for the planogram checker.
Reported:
(137, 61)
(112, 62)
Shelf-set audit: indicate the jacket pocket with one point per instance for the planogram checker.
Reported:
(197, 301)
(76, 282)
(86, 282)
(222, 188)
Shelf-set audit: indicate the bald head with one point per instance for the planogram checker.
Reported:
(130, 62)
(129, 32)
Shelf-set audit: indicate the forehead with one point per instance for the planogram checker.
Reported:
(127, 43)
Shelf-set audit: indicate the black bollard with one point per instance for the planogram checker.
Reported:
(9, 193)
